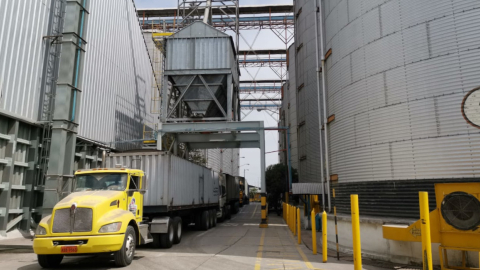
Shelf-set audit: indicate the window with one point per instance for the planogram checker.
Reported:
(100, 181)
(134, 182)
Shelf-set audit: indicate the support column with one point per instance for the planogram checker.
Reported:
(229, 97)
(264, 222)
(30, 177)
(7, 177)
(165, 100)
(67, 106)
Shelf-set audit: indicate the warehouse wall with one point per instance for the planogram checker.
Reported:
(117, 74)
(396, 79)
(23, 24)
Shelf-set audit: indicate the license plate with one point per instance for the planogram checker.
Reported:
(69, 249)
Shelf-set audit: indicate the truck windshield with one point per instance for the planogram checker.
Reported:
(100, 181)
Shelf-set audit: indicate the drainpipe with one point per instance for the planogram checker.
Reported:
(77, 65)
(327, 165)
(318, 104)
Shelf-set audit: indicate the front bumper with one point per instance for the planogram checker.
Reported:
(95, 244)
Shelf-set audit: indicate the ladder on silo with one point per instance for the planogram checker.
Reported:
(53, 45)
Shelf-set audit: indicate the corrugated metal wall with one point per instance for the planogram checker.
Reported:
(22, 27)
(224, 160)
(396, 79)
(306, 87)
(117, 74)
(290, 103)
(116, 88)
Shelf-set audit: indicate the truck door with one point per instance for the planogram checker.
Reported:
(135, 196)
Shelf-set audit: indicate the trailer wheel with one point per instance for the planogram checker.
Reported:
(205, 221)
(177, 227)
(124, 256)
(166, 239)
(49, 261)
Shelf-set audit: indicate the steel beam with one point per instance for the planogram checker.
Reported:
(218, 137)
(259, 9)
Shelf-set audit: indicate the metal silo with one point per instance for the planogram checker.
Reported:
(201, 65)
(395, 80)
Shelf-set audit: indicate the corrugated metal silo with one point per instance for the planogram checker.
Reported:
(396, 77)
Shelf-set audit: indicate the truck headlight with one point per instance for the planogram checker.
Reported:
(40, 230)
(112, 227)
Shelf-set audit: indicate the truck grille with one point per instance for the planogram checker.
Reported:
(62, 220)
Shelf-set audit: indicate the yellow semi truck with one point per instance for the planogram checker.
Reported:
(112, 210)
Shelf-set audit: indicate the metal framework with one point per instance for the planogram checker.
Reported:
(213, 135)
(244, 23)
(226, 10)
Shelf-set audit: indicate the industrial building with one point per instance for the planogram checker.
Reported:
(390, 123)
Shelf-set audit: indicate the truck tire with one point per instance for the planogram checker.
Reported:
(205, 221)
(49, 261)
(214, 218)
(198, 221)
(124, 256)
(229, 213)
(177, 227)
(166, 239)
(222, 217)
(237, 207)
(156, 240)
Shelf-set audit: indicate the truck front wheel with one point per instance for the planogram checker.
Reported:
(124, 256)
(49, 261)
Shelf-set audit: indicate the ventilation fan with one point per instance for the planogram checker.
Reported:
(461, 211)
(454, 223)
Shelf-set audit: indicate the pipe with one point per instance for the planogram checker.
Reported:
(318, 105)
(104, 158)
(77, 65)
(289, 158)
(324, 86)
(208, 11)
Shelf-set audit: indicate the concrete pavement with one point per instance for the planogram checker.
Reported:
(236, 244)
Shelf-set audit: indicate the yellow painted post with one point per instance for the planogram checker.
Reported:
(294, 224)
(299, 230)
(314, 233)
(426, 237)
(324, 237)
(288, 216)
(357, 248)
(264, 223)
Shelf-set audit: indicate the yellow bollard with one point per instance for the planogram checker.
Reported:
(357, 248)
(426, 237)
(299, 230)
(324, 237)
(294, 224)
(314, 233)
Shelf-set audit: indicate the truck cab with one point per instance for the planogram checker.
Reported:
(103, 214)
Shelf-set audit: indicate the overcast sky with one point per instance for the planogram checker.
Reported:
(265, 40)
